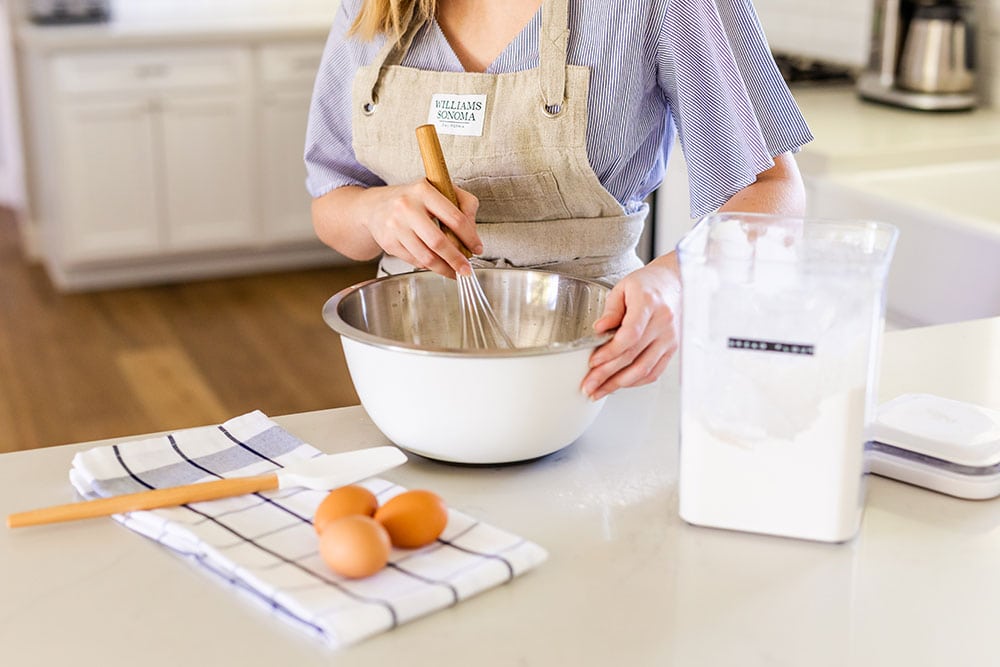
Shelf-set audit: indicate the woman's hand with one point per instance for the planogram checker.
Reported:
(400, 220)
(642, 306)
(645, 304)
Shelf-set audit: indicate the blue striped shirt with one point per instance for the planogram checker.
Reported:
(699, 68)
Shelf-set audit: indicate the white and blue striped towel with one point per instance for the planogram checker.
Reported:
(264, 543)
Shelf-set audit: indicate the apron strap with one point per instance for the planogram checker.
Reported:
(553, 44)
(391, 54)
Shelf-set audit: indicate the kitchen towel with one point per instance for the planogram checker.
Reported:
(264, 543)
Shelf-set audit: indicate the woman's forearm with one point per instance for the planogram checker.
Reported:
(336, 219)
(779, 191)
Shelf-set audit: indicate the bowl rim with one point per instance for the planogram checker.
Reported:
(333, 319)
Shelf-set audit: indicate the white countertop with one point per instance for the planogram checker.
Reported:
(627, 582)
(855, 134)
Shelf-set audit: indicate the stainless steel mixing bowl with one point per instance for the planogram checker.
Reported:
(402, 341)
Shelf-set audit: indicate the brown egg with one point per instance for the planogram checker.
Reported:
(344, 501)
(354, 546)
(413, 518)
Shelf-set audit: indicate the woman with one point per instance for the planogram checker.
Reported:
(555, 137)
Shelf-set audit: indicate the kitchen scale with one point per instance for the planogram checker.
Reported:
(940, 444)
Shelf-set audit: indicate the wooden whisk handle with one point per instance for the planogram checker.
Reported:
(436, 170)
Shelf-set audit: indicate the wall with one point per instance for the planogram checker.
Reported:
(832, 31)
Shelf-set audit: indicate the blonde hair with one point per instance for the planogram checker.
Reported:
(389, 17)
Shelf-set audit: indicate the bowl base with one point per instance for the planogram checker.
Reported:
(480, 464)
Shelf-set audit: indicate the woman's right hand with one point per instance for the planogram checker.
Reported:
(403, 221)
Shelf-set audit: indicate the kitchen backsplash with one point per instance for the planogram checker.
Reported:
(836, 32)
(840, 32)
(143, 11)
(990, 50)
(140, 10)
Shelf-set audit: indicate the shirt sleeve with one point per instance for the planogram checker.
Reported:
(732, 109)
(329, 154)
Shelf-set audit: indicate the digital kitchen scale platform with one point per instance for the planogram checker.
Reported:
(940, 444)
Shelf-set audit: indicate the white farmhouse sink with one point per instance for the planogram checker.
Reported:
(947, 262)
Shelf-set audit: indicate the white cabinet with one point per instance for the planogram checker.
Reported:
(154, 149)
(105, 170)
(207, 175)
(286, 74)
(168, 162)
(672, 212)
(145, 176)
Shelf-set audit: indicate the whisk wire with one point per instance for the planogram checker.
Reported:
(480, 327)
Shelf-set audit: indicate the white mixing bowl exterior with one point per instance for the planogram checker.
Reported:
(477, 410)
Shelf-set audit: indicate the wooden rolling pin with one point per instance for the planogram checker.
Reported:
(322, 473)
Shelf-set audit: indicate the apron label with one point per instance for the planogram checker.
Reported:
(458, 114)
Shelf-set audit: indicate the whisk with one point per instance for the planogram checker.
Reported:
(480, 327)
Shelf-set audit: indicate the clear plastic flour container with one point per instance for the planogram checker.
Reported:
(781, 329)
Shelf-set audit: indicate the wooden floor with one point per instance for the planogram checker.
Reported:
(76, 367)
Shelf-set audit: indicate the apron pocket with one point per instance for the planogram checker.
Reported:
(518, 197)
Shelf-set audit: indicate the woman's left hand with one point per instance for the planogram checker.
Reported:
(642, 306)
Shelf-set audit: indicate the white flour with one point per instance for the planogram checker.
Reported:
(807, 486)
(774, 366)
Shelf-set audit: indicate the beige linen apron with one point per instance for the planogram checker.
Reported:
(540, 203)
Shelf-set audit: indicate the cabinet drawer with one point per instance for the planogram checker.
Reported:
(150, 70)
(290, 63)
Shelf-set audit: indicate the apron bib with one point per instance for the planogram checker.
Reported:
(540, 203)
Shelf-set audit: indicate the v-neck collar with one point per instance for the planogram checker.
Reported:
(520, 54)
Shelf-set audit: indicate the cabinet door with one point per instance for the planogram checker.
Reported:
(207, 170)
(672, 213)
(108, 193)
(285, 203)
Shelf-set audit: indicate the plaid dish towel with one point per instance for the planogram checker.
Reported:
(264, 543)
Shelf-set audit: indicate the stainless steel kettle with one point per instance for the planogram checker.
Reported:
(938, 51)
